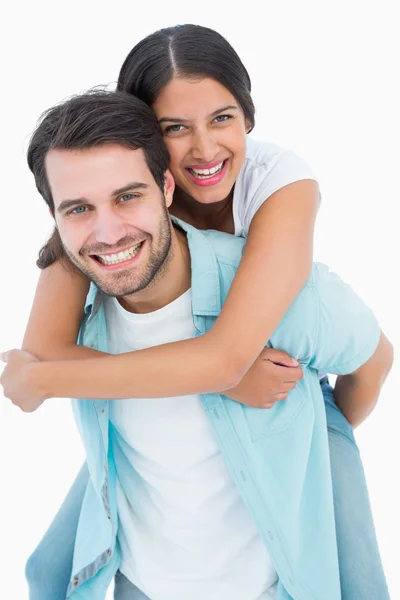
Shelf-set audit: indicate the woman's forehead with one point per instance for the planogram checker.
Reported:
(192, 98)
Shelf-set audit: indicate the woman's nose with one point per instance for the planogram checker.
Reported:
(205, 147)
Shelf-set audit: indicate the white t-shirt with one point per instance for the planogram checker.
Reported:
(267, 168)
(184, 531)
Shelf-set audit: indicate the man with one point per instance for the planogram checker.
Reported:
(194, 497)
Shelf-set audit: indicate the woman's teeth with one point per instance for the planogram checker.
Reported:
(114, 259)
(204, 173)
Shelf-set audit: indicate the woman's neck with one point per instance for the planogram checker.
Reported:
(218, 215)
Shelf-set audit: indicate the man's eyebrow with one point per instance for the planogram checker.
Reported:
(131, 186)
(216, 112)
(66, 204)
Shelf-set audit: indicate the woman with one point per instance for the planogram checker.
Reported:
(200, 93)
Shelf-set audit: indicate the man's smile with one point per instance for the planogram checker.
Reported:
(119, 259)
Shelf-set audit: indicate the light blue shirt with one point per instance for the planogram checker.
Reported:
(278, 458)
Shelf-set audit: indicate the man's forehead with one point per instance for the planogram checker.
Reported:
(101, 155)
(74, 173)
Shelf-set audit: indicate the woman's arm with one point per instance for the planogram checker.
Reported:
(56, 315)
(276, 263)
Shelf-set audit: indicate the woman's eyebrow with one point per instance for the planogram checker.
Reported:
(215, 112)
(223, 109)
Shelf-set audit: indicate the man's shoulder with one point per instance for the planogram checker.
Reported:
(322, 282)
(323, 287)
(227, 248)
(324, 293)
(319, 304)
(323, 278)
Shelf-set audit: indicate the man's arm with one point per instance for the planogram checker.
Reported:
(330, 329)
(349, 343)
(357, 393)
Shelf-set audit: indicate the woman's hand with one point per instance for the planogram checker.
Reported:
(19, 382)
(268, 380)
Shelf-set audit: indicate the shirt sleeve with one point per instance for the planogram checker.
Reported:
(347, 332)
(328, 327)
(281, 169)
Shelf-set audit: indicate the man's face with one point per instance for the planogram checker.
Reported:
(111, 215)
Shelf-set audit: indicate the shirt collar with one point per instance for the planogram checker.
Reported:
(206, 292)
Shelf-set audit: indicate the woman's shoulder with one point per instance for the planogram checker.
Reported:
(259, 152)
(266, 169)
(267, 155)
(269, 167)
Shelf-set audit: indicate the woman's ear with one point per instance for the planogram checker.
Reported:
(169, 187)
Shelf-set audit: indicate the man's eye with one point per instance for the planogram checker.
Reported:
(127, 197)
(174, 128)
(78, 210)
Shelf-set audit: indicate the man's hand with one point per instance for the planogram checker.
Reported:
(268, 380)
(18, 381)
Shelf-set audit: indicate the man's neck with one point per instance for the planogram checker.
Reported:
(172, 282)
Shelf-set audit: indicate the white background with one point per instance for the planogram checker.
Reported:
(324, 84)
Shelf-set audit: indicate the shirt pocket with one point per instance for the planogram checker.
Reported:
(269, 421)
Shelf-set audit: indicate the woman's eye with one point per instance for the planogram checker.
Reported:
(174, 128)
(222, 118)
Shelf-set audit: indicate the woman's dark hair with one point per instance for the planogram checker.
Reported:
(185, 51)
(89, 120)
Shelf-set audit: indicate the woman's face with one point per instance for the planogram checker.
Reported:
(204, 129)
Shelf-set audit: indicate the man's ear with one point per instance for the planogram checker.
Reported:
(169, 187)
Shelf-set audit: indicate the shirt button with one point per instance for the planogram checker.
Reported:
(76, 581)
(243, 476)
(108, 552)
(270, 535)
(216, 413)
(92, 345)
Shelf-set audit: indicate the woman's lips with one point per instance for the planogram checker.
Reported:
(204, 180)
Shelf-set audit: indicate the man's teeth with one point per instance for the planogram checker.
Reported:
(204, 173)
(114, 259)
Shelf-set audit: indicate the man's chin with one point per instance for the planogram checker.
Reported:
(111, 284)
(115, 289)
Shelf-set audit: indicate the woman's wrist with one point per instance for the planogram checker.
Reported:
(40, 376)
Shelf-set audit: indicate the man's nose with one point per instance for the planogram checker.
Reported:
(110, 228)
(205, 147)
